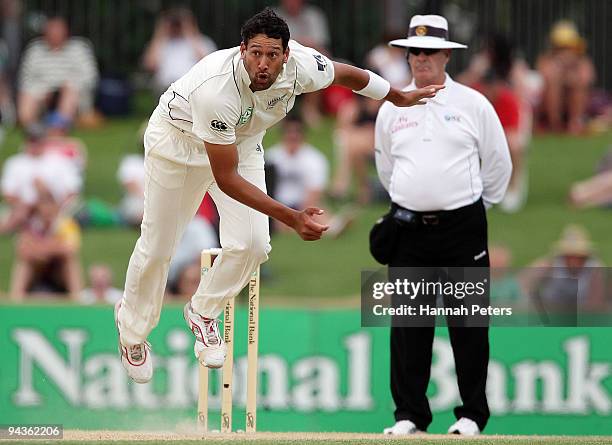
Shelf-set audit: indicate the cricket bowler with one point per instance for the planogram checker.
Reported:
(206, 136)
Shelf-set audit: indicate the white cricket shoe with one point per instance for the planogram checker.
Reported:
(136, 359)
(402, 428)
(209, 347)
(464, 427)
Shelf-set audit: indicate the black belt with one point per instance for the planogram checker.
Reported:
(430, 218)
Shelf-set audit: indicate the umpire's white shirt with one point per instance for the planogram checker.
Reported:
(445, 154)
(213, 101)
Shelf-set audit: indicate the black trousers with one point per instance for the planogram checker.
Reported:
(458, 239)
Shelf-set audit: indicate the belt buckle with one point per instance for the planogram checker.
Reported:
(430, 220)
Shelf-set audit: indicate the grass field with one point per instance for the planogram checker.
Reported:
(298, 269)
(122, 437)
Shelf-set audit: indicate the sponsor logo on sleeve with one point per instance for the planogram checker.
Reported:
(218, 125)
(321, 63)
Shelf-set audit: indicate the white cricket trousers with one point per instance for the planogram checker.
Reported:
(177, 176)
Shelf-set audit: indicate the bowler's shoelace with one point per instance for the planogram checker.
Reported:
(137, 352)
(211, 331)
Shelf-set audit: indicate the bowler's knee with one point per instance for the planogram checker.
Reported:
(157, 252)
(254, 250)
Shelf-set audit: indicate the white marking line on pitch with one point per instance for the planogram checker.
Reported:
(86, 435)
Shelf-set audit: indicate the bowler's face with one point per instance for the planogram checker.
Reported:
(263, 59)
(428, 69)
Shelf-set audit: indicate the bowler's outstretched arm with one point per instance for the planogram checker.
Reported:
(372, 85)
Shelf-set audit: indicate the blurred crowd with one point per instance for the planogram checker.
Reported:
(49, 86)
(51, 92)
(569, 278)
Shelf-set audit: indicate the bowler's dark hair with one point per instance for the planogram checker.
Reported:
(268, 23)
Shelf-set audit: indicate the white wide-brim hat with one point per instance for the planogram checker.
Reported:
(427, 31)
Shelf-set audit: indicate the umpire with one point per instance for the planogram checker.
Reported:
(442, 163)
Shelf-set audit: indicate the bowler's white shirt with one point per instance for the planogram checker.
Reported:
(445, 154)
(213, 101)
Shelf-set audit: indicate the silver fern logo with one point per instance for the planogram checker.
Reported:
(272, 102)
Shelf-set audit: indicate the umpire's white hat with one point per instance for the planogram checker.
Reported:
(427, 31)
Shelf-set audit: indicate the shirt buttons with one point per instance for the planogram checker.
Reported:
(428, 130)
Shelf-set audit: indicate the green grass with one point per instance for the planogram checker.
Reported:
(331, 267)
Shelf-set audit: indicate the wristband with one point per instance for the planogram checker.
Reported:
(377, 87)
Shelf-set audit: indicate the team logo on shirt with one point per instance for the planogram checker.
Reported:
(218, 125)
(244, 117)
(273, 102)
(321, 64)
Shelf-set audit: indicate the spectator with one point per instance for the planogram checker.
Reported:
(500, 54)
(208, 211)
(59, 72)
(10, 49)
(355, 147)
(389, 62)
(508, 109)
(355, 123)
(47, 257)
(308, 25)
(508, 84)
(597, 190)
(187, 282)
(198, 235)
(505, 287)
(297, 175)
(7, 109)
(568, 75)
(11, 33)
(101, 290)
(176, 46)
(301, 171)
(25, 173)
(572, 275)
(72, 149)
(600, 111)
(131, 175)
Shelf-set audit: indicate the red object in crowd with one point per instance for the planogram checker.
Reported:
(334, 97)
(208, 210)
(508, 109)
(507, 106)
